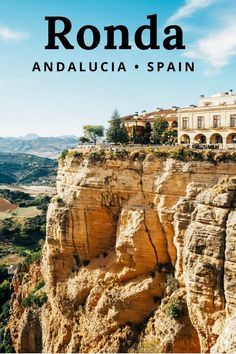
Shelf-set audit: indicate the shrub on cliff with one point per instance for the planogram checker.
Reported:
(224, 156)
(32, 257)
(75, 154)
(171, 284)
(36, 296)
(70, 153)
(150, 345)
(175, 308)
(5, 291)
(5, 340)
(96, 156)
(34, 299)
(5, 296)
(63, 155)
(5, 313)
(183, 154)
(208, 155)
(39, 285)
(58, 199)
(3, 273)
(161, 153)
(150, 157)
(119, 154)
(137, 155)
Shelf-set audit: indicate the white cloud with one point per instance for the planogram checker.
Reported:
(7, 34)
(217, 48)
(190, 7)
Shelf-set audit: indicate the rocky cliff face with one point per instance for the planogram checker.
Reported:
(139, 256)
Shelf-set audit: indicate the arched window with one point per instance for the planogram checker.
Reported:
(200, 139)
(185, 139)
(216, 139)
(174, 124)
(231, 139)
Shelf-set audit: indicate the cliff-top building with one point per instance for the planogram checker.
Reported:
(212, 121)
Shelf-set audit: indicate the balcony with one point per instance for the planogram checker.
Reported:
(223, 128)
(217, 128)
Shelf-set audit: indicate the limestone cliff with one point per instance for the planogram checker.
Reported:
(139, 256)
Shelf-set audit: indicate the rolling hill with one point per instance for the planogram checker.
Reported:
(27, 169)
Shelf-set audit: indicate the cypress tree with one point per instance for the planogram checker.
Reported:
(116, 133)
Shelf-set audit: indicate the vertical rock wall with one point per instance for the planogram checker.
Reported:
(115, 232)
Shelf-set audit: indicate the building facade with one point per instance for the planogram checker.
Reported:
(211, 122)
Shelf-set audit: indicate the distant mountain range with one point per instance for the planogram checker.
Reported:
(50, 147)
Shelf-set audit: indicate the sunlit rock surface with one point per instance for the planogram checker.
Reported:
(115, 231)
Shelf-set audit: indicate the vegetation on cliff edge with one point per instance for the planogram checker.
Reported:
(149, 154)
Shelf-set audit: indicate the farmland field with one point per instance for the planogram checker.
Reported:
(32, 190)
(6, 206)
(20, 213)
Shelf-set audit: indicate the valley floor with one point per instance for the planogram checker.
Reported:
(32, 190)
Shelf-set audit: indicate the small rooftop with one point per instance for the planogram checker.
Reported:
(149, 115)
(219, 99)
(224, 94)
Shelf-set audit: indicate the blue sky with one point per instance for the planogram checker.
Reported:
(61, 103)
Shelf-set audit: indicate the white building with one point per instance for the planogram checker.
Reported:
(212, 121)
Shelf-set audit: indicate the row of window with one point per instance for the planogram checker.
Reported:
(216, 122)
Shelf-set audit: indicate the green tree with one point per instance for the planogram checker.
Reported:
(5, 292)
(83, 140)
(92, 132)
(160, 131)
(9, 229)
(169, 137)
(116, 133)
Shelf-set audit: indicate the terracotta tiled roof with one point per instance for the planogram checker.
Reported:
(144, 116)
